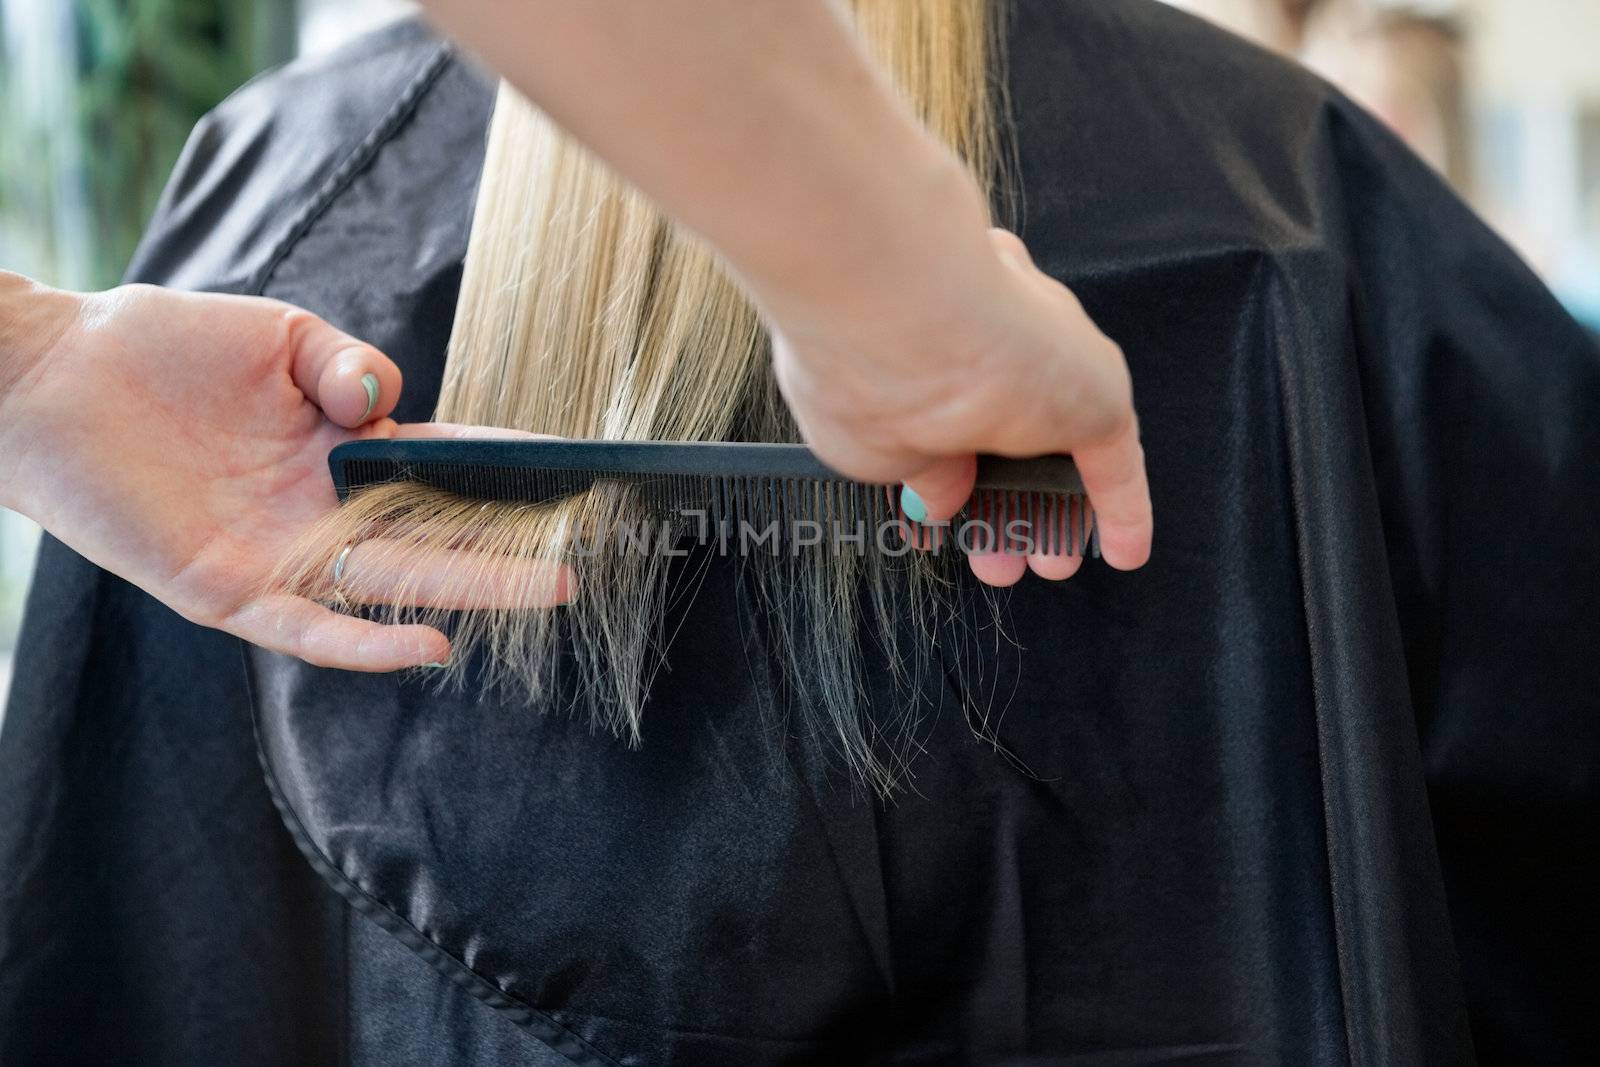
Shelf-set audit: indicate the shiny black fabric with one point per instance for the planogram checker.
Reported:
(1315, 786)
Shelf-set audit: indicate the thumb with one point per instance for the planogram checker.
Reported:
(352, 382)
(941, 489)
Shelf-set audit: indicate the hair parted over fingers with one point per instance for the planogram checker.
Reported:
(584, 312)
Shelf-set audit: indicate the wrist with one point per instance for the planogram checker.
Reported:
(33, 318)
(909, 301)
(927, 238)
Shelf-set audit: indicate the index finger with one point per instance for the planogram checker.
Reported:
(1119, 490)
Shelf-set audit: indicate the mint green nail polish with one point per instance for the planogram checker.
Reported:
(369, 382)
(437, 666)
(912, 504)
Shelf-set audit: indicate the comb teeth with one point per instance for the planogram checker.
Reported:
(760, 514)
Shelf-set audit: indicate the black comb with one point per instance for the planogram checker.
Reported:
(730, 487)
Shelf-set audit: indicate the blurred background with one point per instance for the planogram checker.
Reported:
(96, 100)
(97, 96)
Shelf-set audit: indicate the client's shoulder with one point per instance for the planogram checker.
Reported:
(269, 152)
(1143, 129)
(337, 94)
(1154, 50)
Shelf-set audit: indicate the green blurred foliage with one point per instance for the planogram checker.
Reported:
(95, 105)
(142, 73)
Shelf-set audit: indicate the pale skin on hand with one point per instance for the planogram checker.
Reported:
(1021, 371)
(181, 441)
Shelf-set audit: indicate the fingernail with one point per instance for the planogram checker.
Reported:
(437, 666)
(912, 504)
(369, 382)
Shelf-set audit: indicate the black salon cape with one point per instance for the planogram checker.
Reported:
(1316, 786)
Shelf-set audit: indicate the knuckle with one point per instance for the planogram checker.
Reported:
(207, 616)
(1105, 420)
(309, 651)
(1110, 423)
(295, 319)
(296, 325)
(1112, 416)
(1006, 240)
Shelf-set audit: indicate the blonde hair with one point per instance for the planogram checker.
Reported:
(586, 313)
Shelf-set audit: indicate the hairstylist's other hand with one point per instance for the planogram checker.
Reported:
(987, 355)
(181, 441)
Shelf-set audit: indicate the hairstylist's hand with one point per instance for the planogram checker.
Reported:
(181, 441)
(994, 357)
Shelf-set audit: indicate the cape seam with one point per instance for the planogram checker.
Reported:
(1336, 893)
(557, 1037)
(356, 163)
(1337, 906)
